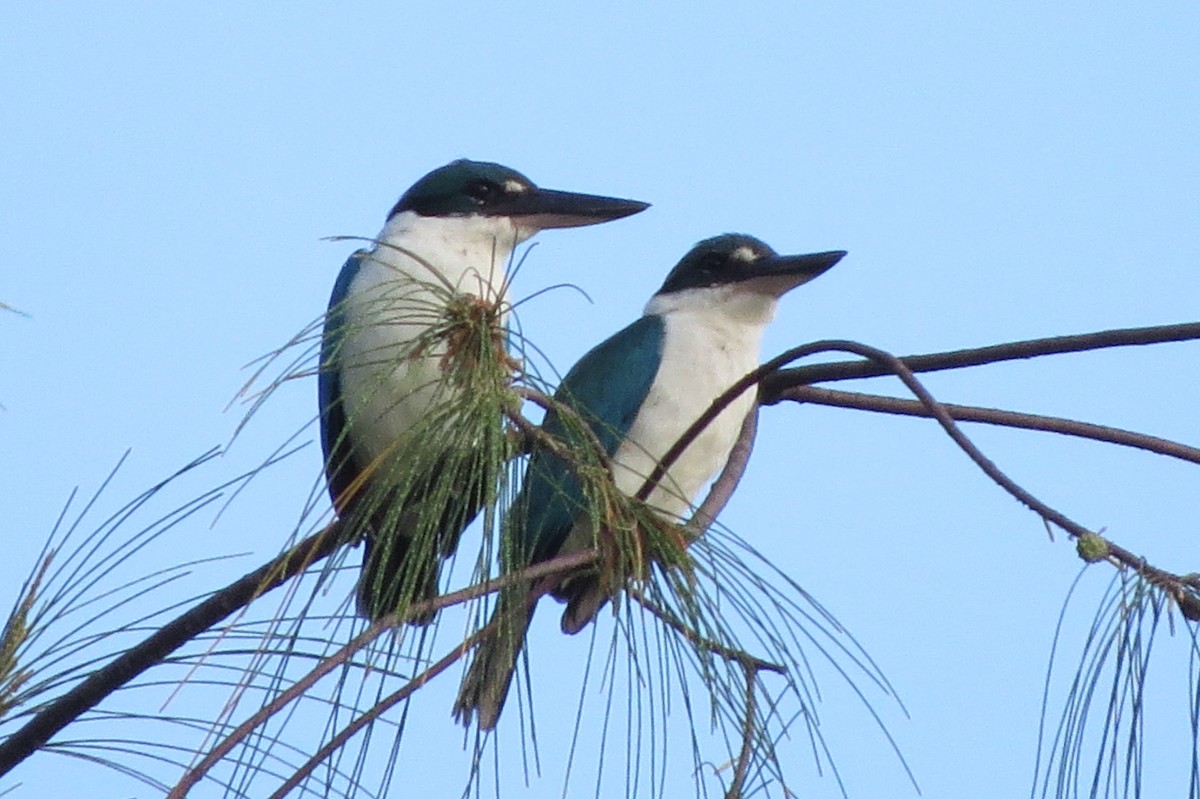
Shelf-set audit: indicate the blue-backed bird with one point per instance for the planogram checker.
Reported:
(638, 392)
(385, 356)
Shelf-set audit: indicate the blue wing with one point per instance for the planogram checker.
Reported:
(340, 466)
(607, 388)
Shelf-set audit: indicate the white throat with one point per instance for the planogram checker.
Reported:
(730, 304)
(391, 373)
(467, 253)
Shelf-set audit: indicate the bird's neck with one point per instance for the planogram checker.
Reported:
(728, 306)
(467, 253)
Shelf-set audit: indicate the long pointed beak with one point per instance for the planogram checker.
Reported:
(779, 274)
(542, 209)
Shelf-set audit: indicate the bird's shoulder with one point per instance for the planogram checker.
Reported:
(609, 384)
(605, 388)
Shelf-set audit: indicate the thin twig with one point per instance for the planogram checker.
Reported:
(723, 401)
(1186, 598)
(972, 413)
(751, 666)
(957, 359)
(538, 437)
(727, 481)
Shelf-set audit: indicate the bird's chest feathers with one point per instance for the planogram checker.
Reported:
(419, 262)
(393, 350)
(703, 355)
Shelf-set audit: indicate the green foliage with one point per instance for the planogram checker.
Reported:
(16, 632)
(89, 598)
(1098, 748)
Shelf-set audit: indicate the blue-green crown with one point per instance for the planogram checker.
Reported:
(738, 258)
(721, 259)
(462, 187)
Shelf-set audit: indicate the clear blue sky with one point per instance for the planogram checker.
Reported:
(997, 172)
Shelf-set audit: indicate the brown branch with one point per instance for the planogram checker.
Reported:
(971, 413)
(727, 481)
(751, 666)
(957, 359)
(537, 436)
(1092, 545)
(563, 563)
(99, 684)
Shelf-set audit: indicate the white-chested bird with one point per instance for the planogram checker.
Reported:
(638, 392)
(382, 373)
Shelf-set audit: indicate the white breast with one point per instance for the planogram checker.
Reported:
(399, 293)
(712, 338)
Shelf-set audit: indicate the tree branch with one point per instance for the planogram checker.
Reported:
(1092, 546)
(956, 359)
(740, 656)
(727, 481)
(775, 384)
(971, 413)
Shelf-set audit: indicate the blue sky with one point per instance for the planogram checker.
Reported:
(996, 172)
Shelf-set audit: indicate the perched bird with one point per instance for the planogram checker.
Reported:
(384, 363)
(638, 392)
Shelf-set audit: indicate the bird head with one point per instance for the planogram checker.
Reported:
(465, 188)
(745, 264)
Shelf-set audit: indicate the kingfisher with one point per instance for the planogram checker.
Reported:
(638, 392)
(446, 244)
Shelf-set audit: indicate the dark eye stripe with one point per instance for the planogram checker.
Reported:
(481, 190)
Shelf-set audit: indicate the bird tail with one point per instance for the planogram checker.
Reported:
(486, 685)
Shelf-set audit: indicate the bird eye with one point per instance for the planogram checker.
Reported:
(481, 190)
